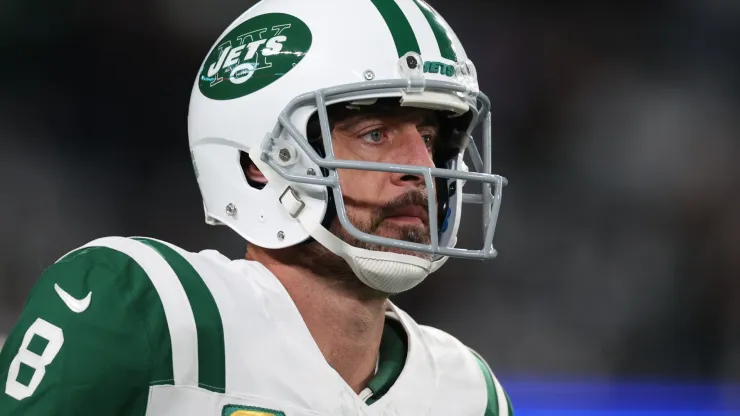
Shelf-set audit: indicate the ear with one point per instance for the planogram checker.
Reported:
(254, 174)
(254, 177)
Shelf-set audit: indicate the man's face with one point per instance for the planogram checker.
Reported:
(392, 205)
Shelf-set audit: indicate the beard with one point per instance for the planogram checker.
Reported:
(376, 224)
(319, 260)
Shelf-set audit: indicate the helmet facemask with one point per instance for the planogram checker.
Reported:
(385, 268)
(451, 141)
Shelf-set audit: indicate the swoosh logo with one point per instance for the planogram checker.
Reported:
(74, 304)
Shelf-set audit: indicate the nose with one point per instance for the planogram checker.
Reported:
(414, 152)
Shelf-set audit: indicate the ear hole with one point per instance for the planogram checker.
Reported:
(252, 174)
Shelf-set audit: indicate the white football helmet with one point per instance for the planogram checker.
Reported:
(284, 61)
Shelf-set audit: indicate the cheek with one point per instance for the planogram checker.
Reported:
(362, 186)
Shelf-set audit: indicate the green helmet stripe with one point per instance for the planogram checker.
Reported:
(444, 41)
(398, 24)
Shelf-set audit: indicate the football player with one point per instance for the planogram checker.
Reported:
(330, 135)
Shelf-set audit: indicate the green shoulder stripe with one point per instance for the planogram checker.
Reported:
(398, 24)
(496, 393)
(211, 352)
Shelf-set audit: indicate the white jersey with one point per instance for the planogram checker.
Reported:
(209, 336)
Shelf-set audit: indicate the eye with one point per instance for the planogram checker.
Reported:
(373, 136)
(428, 140)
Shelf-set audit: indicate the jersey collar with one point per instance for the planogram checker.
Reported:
(391, 359)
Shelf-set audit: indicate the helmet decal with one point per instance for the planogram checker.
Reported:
(432, 67)
(253, 55)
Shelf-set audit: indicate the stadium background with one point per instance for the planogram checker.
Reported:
(617, 289)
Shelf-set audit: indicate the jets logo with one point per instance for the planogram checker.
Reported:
(242, 60)
(431, 67)
(253, 55)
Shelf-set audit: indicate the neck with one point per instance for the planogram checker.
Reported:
(346, 322)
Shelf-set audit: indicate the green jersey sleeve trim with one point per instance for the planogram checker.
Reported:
(91, 338)
(498, 401)
(177, 310)
(211, 350)
(142, 297)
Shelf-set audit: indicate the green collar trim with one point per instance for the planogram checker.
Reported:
(392, 357)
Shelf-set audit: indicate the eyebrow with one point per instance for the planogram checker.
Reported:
(352, 121)
(428, 119)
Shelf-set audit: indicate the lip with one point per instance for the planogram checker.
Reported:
(402, 220)
(410, 213)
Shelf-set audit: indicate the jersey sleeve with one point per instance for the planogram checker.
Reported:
(86, 342)
(499, 403)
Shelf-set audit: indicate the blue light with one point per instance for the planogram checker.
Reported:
(537, 397)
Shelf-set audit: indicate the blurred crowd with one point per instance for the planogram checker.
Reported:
(616, 123)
